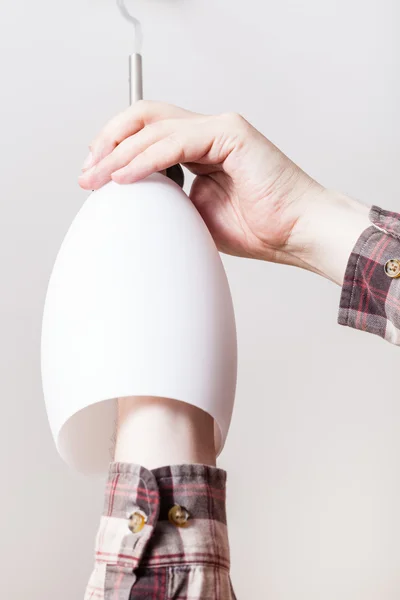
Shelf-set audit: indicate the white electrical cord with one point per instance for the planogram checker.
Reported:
(136, 24)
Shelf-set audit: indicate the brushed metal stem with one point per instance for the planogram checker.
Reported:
(135, 78)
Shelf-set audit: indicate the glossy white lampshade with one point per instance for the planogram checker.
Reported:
(138, 304)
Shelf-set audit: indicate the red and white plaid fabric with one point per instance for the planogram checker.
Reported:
(370, 299)
(162, 561)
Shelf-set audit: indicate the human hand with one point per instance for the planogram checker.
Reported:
(255, 201)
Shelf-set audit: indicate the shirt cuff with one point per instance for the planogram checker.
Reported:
(172, 517)
(370, 299)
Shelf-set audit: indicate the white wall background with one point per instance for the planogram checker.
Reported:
(314, 450)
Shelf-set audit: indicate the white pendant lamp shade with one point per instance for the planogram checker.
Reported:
(138, 304)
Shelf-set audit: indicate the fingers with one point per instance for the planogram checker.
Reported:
(124, 153)
(158, 147)
(187, 142)
(129, 122)
(161, 155)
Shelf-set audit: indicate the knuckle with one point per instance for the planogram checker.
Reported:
(141, 106)
(155, 128)
(107, 135)
(235, 119)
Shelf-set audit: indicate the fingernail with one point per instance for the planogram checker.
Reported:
(88, 162)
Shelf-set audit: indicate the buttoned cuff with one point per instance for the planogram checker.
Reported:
(166, 517)
(370, 299)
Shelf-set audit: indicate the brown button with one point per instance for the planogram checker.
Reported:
(137, 521)
(179, 516)
(392, 268)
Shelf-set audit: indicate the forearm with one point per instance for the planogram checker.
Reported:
(155, 432)
(160, 506)
(329, 230)
(359, 248)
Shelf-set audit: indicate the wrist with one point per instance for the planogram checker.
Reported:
(327, 233)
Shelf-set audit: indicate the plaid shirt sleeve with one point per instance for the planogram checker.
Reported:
(178, 546)
(370, 299)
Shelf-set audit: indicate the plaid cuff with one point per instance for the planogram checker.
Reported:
(161, 556)
(370, 299)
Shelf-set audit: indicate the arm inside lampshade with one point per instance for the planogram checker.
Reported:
(154, 432)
